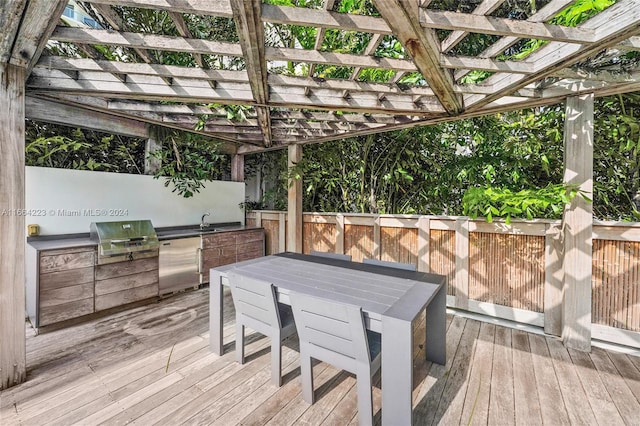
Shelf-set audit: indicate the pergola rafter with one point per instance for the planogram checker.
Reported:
(283, 108)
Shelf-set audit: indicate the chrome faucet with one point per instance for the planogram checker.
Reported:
(204, 224)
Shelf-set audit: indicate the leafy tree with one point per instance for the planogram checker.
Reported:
(49, 145)
(187, 160)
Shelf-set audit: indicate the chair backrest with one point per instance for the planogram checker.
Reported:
(334, 332)
(254, 300)
(331, 255)
(397, 265)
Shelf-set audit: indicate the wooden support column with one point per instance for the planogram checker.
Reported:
(578, 221)
(377, 239)
(154, 143)
(424, 236)
(462, 263)
(12, 227)
(553, 279)
(339, 246)
(237, 168)
(294, 225)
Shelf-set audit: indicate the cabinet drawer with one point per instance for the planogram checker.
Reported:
(250, 236)
(227, 251)
(59, 296)
(68, 278)
(219, 240)
(52, 314)
(127, 282)
(63, 262)
(251, 246)
(118, 298)
(120, 269)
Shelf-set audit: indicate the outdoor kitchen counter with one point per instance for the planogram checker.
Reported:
(190, 231)
(54, 242)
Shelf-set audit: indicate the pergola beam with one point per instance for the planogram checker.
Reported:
(10, 17)
(547, 12)
(37, 24)
(68, 115)
(188, 90)
(611, 26)
(505, 27)
(186, 45)
(229, 146)
(116, 23)
(424, 48)
(251, 33)
(197, 7)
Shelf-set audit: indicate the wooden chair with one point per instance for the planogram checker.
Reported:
(257, 307)
(335, 333)
(331, 255)
(397, 265)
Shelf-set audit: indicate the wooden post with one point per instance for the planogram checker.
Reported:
(462, 263)
(424, 235)
(377, 251)
(294, 227)
(553, 280)
(339, 246)
(282, 232)
(237, 168)
(578, 221)
(12, 227)
(154, 143)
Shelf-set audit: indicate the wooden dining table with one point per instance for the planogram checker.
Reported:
(391, 301)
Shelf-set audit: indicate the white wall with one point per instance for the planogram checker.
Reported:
(67, 201)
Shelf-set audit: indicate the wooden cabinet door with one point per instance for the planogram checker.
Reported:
(66, 284)
(217, 250)
(126, 282)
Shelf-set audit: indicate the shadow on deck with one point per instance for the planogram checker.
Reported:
(152, 365)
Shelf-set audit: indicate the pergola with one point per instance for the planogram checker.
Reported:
(286, 110)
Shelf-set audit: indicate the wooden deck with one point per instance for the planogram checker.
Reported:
(152, 365)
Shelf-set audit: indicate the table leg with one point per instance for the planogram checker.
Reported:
(397, 371)
(215, 313)
(436, 328)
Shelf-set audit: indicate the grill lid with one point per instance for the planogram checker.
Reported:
(116, 238)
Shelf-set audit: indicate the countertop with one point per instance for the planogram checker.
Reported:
(53, 242)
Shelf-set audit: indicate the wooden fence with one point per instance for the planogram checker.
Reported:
(512, 272)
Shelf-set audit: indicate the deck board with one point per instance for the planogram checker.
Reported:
(526, 402)
(152, 365)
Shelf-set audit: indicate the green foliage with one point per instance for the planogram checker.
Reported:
(490, 202)
(64, 147)
(271, 166)
(572, 16)
(188, 160)
(616, 161)
(427, 170)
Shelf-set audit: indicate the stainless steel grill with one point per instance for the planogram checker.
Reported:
(123, 238)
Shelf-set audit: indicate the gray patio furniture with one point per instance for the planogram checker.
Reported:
(391, 301)
(397, 265)
(335, 333)
(257, 307)
(331, 255)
